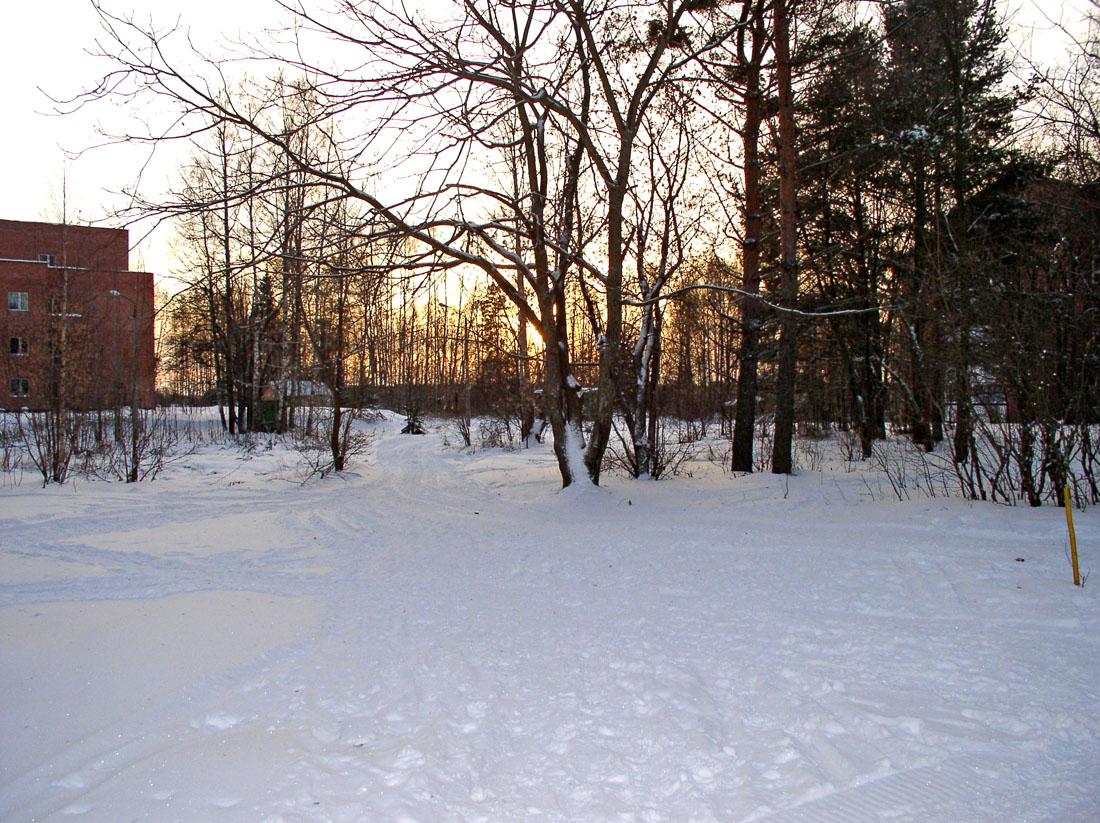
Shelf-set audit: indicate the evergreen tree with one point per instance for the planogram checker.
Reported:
(949, 125)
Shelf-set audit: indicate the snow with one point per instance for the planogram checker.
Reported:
(440, 636)
(574, 458)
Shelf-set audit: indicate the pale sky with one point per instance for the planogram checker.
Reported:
(42, 47)
(42, 51)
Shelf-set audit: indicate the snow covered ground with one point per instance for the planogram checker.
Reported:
(446, 638)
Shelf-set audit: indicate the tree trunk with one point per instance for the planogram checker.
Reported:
(748, 356)
(610, 347)
(782, 459)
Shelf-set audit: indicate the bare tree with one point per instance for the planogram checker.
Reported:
(665, 220)
(577, 81)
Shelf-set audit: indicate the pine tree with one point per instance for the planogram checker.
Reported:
(950, 121)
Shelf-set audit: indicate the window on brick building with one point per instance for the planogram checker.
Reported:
(18, 301)
(19, 387)
(18, 345)
(48, 259)
(55, 305)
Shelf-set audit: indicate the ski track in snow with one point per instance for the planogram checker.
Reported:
(461, 642)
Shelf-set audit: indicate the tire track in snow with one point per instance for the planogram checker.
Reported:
(414, 703)
(209, 705)
(909, 796)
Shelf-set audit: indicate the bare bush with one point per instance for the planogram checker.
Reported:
(675, 444)
(495, 433)
(809, 454)
(157, 443)
(11, 452)
(719, 453)
(764, 436)
(317, 447)
(1031, 461)
(50, 439)
(463, 427)
(851, 448)
(910, 470)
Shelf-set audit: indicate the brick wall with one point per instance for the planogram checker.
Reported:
(70, 315)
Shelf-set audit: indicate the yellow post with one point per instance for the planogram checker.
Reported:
(1072, 537)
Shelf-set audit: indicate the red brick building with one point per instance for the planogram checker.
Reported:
(76, 323)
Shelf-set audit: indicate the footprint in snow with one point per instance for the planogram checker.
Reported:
(77, 808)
(702, 774)
(76, 780)
(217, 720)
(326, 734)
(478, 709)
(409, 758)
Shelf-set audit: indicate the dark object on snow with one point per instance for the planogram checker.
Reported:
(1019, 560)
(413, 425)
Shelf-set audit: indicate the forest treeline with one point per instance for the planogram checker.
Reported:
(803, 215)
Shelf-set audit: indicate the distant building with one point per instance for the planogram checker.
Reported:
(73, 319)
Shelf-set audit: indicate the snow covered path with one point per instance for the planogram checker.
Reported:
(445, 637)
